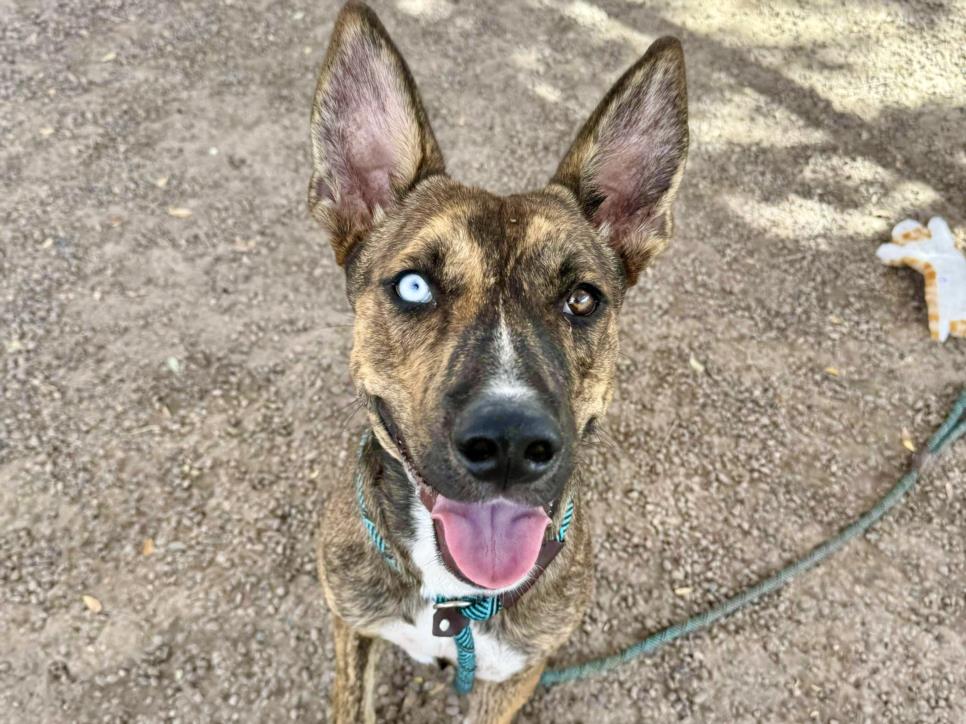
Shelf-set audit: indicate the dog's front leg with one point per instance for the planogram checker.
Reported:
(498, 703)
(355, 669)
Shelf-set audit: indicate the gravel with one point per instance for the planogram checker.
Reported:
(174, 337)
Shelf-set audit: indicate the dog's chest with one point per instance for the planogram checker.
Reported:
(496, 660)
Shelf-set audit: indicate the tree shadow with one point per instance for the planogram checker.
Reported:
(906, 141)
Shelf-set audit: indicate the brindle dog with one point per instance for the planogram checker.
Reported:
(484, 347)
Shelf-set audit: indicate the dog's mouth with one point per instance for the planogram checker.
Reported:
(491, 544)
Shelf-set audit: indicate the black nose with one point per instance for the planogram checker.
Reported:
(506, 442)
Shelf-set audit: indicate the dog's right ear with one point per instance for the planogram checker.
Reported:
(371, 140)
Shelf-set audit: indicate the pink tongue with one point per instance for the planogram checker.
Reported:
(494, 544)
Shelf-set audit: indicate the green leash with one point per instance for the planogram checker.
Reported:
(951, 430)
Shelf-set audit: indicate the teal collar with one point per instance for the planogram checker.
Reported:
(453, 615)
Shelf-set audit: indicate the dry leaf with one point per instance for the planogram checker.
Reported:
(46, 131)
(695, 365)
(161, 182)
(907, 442)
(179, 212)
(438, 689)
(683, 591)
(835, 319)
(832, 371)
(147, 547)
(108, 57)
(93, 605)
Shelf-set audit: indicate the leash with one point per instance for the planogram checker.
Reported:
(485, 607)
(951, 430)
(453, 615)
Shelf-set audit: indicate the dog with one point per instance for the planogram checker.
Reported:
(484, 347)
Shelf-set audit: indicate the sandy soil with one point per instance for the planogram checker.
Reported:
(173, 387)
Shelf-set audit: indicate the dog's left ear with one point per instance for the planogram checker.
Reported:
(625, 164)
(371, 140)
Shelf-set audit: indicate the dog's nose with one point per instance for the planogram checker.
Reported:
(506, 442)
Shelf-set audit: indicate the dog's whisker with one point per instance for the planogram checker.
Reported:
(602, 439)
(348, 418)
(358, 401)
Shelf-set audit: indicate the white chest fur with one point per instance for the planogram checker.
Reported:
(495, 660)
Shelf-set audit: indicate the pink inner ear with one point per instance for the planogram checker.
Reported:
(368, 165)
(637, 155)
(619, 181)
(367, 129)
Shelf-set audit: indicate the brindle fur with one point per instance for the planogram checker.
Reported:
(361, 591)
(389, 206)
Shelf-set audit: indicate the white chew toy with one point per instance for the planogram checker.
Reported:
(932, 252)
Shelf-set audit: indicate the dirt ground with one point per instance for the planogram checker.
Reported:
(175, 401)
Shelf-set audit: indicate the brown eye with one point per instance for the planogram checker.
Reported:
(582, 302)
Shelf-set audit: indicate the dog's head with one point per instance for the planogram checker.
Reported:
(485, 333)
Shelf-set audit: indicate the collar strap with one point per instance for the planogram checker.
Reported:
(453, 615)
(375, 536)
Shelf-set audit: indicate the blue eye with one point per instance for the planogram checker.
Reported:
(414, 289)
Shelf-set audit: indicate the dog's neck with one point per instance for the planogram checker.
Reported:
(409, 528)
